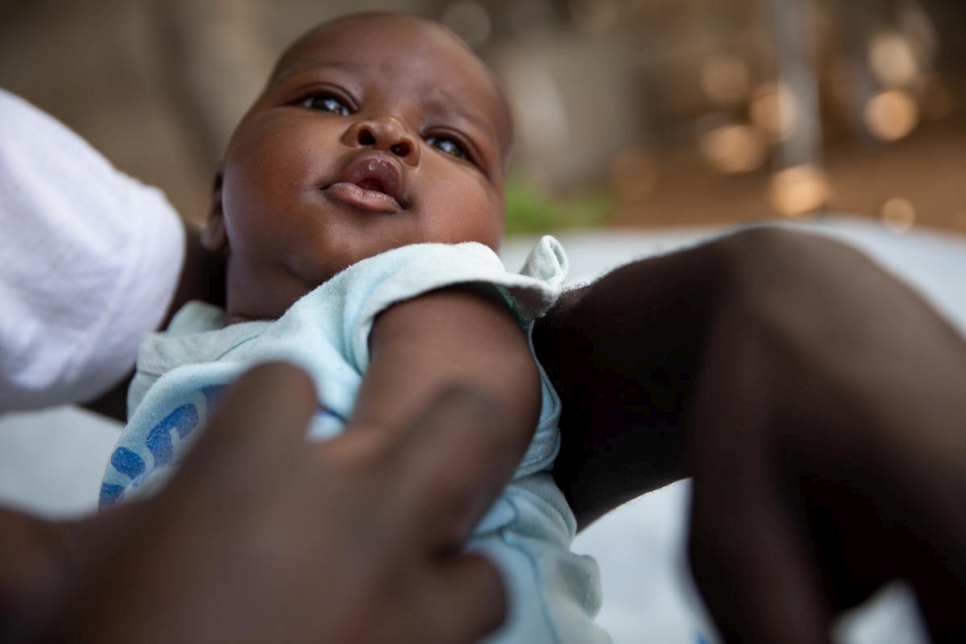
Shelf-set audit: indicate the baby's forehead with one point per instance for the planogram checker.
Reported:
(400, 42)
(368, 33)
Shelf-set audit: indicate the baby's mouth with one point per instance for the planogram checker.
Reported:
(371, 182)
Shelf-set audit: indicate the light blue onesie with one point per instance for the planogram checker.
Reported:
(554, 594)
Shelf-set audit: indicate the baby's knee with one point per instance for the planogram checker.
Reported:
(785, 264)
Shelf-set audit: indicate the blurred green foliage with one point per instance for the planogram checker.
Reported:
(531, 209)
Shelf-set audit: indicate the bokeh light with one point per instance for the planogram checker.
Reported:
(799, 190)
(891, 115)
(735, 148)
(773, 110)
(893, 60)
(898, 215)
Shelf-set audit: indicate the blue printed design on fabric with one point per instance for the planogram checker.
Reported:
(110, 493)
(127, 462)
(182, 420)
(213, 395)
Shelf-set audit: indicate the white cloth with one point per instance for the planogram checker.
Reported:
(89, 261)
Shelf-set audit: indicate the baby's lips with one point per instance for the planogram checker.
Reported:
(377, 172)
(362, 198)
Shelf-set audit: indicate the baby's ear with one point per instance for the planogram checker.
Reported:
(214, 237)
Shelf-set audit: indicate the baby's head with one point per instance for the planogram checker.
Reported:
(375, 131)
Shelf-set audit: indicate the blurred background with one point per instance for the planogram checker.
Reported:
(630, 113)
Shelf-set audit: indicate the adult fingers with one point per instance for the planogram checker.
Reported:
(260, 417)
(451, 463)
(462, 600)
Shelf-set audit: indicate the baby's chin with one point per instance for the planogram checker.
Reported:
(240, 310)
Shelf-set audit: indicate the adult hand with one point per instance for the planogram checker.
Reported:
(828, 447)
(263, 537)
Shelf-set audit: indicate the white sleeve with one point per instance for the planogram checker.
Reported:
(89, 261)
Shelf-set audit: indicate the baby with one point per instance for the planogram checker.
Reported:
(361, 201)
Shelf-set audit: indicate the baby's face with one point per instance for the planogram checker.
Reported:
(374, 132)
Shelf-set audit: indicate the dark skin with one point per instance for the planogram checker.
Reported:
(816, 402)
(246, 525)
(374, 132)
(819, 416)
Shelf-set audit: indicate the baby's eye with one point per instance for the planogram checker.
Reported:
(449, 145)
(327, 103)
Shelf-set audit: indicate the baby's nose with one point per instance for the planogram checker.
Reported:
(386, 134)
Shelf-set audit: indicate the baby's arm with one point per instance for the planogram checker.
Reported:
(452, 335)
